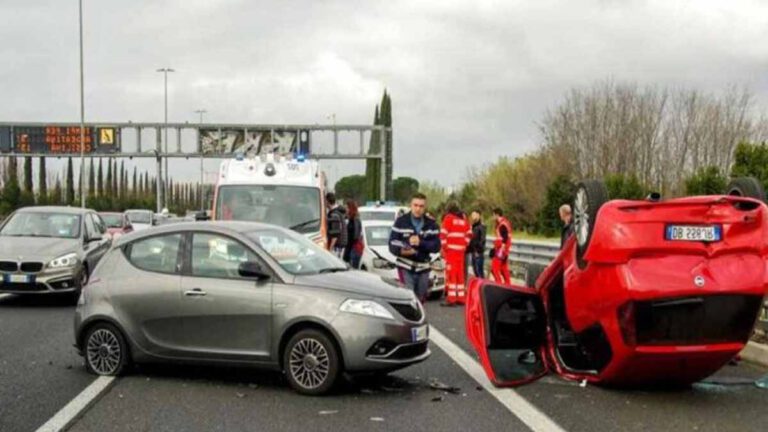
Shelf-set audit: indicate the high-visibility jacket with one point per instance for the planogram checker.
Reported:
(500, 244)
(455, 233)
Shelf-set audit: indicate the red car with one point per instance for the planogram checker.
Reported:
(117, 224)
(644, 292)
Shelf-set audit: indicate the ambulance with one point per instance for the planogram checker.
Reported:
(281, 190)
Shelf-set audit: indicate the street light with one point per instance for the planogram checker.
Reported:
(201, 112)
(82, 111)
(165, 71)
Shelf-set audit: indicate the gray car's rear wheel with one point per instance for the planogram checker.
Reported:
(106, 352)
(311, 362)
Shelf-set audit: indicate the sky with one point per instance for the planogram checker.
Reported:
(469, 80)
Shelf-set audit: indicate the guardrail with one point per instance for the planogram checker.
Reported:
(525, 252)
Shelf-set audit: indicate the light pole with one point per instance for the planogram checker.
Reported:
(202, 201)
(165, 71)
(82, 111)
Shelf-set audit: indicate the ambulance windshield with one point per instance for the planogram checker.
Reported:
(294, 207)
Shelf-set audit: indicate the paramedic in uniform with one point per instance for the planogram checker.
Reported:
(455, 235)
(501, 248)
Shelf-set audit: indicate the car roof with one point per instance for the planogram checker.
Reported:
(381, 208)
(139, 210)
(54, 209)
(223, 227)
(377, 223)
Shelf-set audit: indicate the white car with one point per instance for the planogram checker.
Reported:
(141, 219)
(381, 213)
(379, 260)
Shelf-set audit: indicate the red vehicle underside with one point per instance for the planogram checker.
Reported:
(643, 309)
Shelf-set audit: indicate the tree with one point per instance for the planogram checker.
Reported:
(100, 180)
(373, 166)
(11, 193)
(70, 186)
(706, 181)
(134, 185)
(436, 195)
(91, 181)
(751, 160)
(42, 180)
(351, 187)
(56, 194)
(559, 192)
(27, 197)
(623, 186)
(403, 188)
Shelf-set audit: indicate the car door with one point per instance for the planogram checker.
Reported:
(145, 293)
(506, 325)
(98, 248)
(226, 316)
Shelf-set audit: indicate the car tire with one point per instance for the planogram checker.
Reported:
(590, 196)
(748, 187)
(105, 350)
(532, 274)
(311, 362)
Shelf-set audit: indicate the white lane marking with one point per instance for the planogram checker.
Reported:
(67, 415)
(521, 408)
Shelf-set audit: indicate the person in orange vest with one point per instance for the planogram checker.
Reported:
(501, 248)
(455, 234)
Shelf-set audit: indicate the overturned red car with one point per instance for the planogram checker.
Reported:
(644, 292)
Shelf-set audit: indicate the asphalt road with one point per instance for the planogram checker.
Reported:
(36, 332)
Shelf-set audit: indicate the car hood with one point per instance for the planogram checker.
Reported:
(40, 248)
(383, 252)
(356, 282)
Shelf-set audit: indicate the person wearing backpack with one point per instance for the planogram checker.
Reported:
(336, 226)
(353, 252)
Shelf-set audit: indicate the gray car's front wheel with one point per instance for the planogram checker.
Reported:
(311, 362)
(106, 352)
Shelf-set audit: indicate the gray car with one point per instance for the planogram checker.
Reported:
(244, 293)
(50, 249)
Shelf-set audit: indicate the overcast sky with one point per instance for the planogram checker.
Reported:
(469, 79)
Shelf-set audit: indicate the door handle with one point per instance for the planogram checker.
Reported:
(195, 292)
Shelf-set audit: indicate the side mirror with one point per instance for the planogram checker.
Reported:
(253, 270)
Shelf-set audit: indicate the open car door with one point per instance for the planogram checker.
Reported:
(506, 325)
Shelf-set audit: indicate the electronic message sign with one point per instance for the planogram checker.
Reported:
(56, 140)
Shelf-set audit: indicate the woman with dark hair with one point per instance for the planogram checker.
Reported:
(354, 248)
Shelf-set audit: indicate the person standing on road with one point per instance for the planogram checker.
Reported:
(567, 217)
(477, 245)
(501, 248)
(354, 249)
(455, 235)
(337, 233)
(413, 238)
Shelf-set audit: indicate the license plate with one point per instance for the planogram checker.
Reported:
(704, 233)
(419, 334)
(16, 278)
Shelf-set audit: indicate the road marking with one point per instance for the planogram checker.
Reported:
(67, 415)
(521, 408)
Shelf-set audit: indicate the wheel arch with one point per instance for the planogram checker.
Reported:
(100, 319)
(304, 324)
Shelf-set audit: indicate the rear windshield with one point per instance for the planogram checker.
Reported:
(112, 220)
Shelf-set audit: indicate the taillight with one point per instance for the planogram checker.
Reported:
(626, 315)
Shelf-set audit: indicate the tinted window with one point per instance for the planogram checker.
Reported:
(158, 253)
(218, 256)
(39, 224)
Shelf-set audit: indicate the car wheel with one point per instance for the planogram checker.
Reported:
(311, 362)
(748, 187)
(106, 352)
(590, 196)
(532, 274)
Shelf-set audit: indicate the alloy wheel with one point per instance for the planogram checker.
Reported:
(309, 363)
(581, 217)
(103, 352)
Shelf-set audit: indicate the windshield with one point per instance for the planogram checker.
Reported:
(112, 220)
(39, 224)
(295, 253)
(139, 217)
(377, 235)
(294, 207)
(377, 215)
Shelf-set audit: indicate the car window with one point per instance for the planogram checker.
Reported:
(218, 256)
(42, 224)
(159, 253)
(101, 227)
(90, 228)
(377, 235)
(295, 253)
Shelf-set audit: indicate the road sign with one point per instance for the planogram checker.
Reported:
(55, 140)
(248, 141)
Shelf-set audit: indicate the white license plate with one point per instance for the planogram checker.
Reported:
(419, 334)
(15, 278)
(705, 233)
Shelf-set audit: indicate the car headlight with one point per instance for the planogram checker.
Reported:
(64, 261)
(380, 263)
(366, 307)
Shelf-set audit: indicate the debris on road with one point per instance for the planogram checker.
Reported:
(438, 399)
(437, 385)
(240, 395)
(583, 383)
(377, 419)
(328, 412)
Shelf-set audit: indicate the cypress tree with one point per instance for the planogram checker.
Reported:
(134, 187)
(114, 189)
(372, 166)
(100, 180)
(42, 180)
(91, 180)
(11, 193)
(70, 191)
(56, 195)
(28, 174)
(122, 180)
(147, 186)
(108, 191)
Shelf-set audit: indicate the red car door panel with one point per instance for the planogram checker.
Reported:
(506, 325)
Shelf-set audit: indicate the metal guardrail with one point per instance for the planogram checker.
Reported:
(525, 252)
